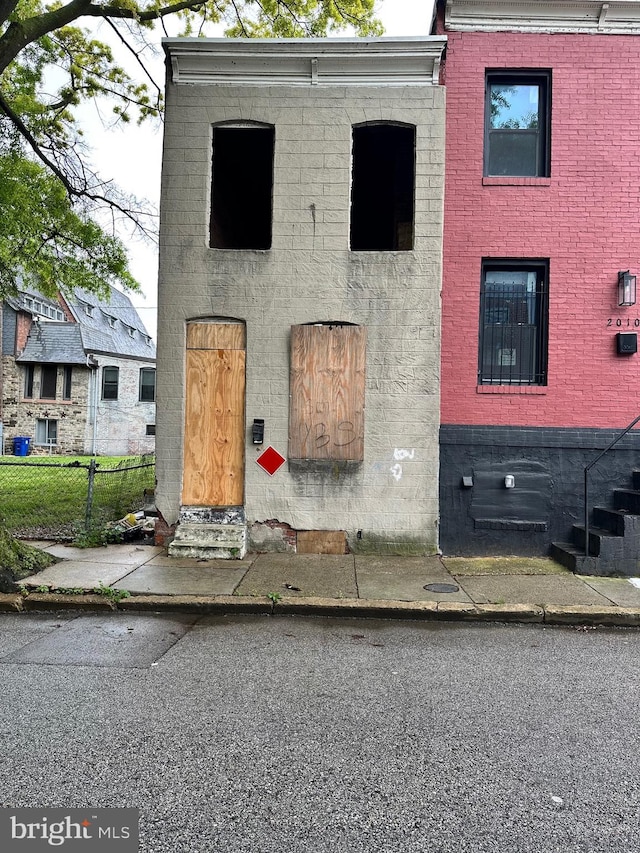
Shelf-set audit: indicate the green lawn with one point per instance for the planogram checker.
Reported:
(47, 496)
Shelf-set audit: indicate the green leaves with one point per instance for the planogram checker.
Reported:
(43, 239)
(49, 65)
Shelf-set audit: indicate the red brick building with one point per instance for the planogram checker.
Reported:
(542, 216)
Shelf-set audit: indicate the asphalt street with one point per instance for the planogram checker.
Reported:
(253, 734)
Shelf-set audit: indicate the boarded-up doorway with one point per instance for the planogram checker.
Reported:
(214, 415)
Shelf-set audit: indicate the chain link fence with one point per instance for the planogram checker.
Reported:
(50, 499)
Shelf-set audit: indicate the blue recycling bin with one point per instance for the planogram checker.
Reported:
(21, 445)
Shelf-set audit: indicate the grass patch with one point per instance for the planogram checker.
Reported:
(18, 561)
(47, 496)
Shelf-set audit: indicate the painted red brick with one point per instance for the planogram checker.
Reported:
(585, 219)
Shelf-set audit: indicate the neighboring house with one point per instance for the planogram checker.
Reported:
(300, 273)
(78, 374)
(541, 249)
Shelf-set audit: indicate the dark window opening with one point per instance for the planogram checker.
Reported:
(110, 383)
(513, 323)
(517, 124)
(151, 429)
(48, 380)
(147, 385)
(382, 190)
(66, 387)
(242, 183)
(28, 380)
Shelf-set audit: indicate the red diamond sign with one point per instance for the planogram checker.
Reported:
(271, 460)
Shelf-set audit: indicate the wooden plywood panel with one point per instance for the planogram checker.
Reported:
(321, 542)
(214, 428)
(216, 336)
(326, 418)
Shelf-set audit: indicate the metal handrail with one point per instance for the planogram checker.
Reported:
(586, 482)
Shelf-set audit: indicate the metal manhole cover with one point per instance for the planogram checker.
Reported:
(441, 587)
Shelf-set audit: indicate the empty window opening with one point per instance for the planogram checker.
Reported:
(242, 183)
(382, 190)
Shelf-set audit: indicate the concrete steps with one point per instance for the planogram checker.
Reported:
(210, 541)
(614, 538)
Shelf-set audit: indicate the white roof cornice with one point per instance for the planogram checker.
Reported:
(323, 62)
(544, 16)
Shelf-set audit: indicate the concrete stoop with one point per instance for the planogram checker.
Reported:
(210, 541)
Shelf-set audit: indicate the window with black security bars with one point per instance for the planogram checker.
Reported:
(513, 324)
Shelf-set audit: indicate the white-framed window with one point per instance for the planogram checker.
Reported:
(110, 376)
(147, 392)
(46, 431)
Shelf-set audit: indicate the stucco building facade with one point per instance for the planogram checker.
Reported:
(299, 296)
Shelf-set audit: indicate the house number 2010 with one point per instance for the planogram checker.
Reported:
(620, 323)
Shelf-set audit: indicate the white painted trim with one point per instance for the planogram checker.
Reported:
(544, 16)
(318, 62)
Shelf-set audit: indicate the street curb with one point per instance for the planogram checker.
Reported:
(585, 614)
(198, 603)
(59, 601)
(340, 607)
(10, 602)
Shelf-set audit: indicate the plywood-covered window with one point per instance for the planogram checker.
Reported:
(326, 419)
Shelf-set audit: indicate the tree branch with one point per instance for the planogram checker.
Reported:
(136, 56)
(83, 192)
(6, 8)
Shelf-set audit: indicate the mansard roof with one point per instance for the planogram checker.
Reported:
(107, 325)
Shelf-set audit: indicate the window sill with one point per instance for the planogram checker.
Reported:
(511, 389)
(513, 181)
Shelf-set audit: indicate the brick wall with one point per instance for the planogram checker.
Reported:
(310, 275)
(584, 220)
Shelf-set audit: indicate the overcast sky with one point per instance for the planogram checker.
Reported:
(131, 155)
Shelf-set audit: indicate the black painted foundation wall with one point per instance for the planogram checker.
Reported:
(548, 466)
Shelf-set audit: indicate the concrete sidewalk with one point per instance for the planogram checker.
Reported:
(498, 588)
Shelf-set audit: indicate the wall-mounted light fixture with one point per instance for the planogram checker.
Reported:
(626, 288)
(509, 482)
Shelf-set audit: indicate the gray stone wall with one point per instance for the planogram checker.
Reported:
(121, 424)
(390, 501)
(20, 415)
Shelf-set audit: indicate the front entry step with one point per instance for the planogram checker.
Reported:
(614, 538)
(210, 541)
